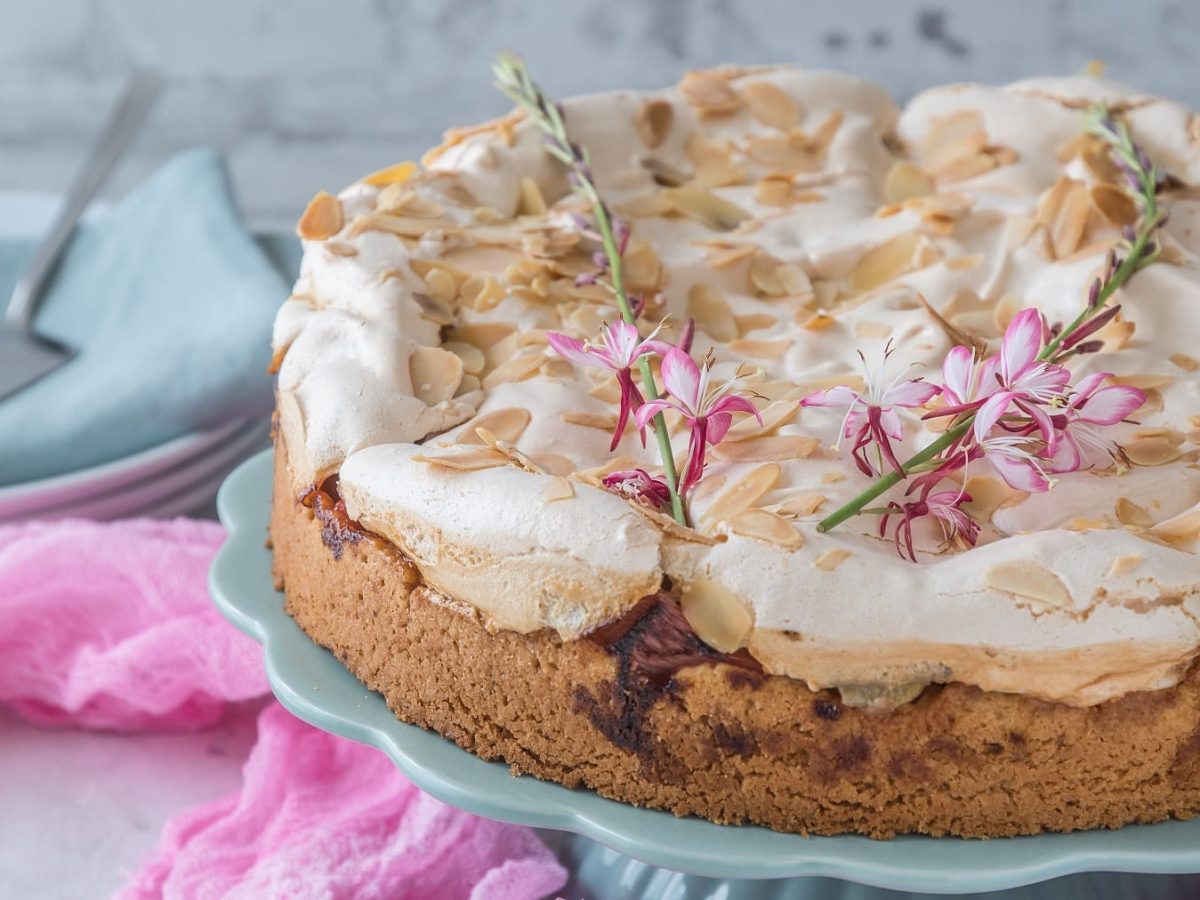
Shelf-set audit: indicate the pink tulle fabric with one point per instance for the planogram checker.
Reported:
(109, 626)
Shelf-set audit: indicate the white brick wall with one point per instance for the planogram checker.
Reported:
(309, 93)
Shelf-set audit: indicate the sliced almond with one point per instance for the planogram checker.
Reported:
(716, 615)
(710, 93)
(784, 153)
(442, 286)
(394, 174)
(706, 207)
(1146, 382)
(322, 218)
(730, 255)
(760, 349)
(653, 122)
(532, 201)
(754, 322)
(829, 560)
(1185, 362)
(884, 262)
(1030, 581)
(464, 460)
(401, 226)
(1181, 529)
(766, 526)
(988, 495)
(472, 357)
(818, 322)
(795, 280)
(483, 335)
(1131, 515)
(904, 181)
(802, 505)
(600, 421)
(482, 292)
(1063, 212)
(1123, 565)
(954, 138)
(1114, 204)
(710, 309)
(776, 414)
(876, 330)
(506, 424)
(516, 369)
(553, 463)
(558, 488)
(743, 493)
(774, 448)
(1152, 451)
(775, 190)
(436, 374)
(771, 105)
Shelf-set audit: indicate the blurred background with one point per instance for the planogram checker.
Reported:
(310, 94)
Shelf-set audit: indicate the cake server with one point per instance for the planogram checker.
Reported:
(24, 356)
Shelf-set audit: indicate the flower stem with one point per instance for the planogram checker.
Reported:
(1142, 251)
(513, 79)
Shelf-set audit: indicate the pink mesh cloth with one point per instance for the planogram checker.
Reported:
(109, 626)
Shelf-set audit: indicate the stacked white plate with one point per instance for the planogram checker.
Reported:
(178, 477)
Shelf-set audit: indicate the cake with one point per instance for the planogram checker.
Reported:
(473, 513)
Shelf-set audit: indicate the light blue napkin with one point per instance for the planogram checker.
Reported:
(169, 302)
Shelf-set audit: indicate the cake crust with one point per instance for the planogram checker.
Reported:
(716, 738)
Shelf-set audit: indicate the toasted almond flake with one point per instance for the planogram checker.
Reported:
(1063, 212)
(760, 349)
(904, 181)
(743, 493)
(653, 122)
(1099, 161)
(401, 226)
(962, 263)
(803, 505)
(436, 374)
(558, 488)
(784, 153)
(510, 453)
(773, 448)
(831, 559)
(967, 168)
(532, 202)
(1114, 204)
(715, 614)
(396, 199)
(766, 526)
(1123, 565)
(700, 149)
(754, 322)
(336, 248)
(483, 335)
(553, 463)
(708, 486)
(953, 138)
(709, 308)
(442, 286)
(1084, 523)
(1002, 156)
(465, 461)
(719, 174)
(434, 310)
(706, 207)
(472, 357)
(506, 424)
(884, 262)
(1029, 580)
(482, 292)
(1131, 515)
(794, 279)
(952, 331)
(763, 273)
(394, 174)
(1185, 362)
(988, 495)
(775, 190)
(469, 384)
(771, 105)
(818, 322)
(516, 369)
(774, 415)
(322, 218)
(867, 329)
(1145, 382)
(832, 477)
(724, 257)
(1181, 529)
(601, 421)
(1152, 451)
(709, 92)
(643, 269)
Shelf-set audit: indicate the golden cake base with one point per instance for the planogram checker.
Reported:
(716, 741)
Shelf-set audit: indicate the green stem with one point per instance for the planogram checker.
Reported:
(514, 80)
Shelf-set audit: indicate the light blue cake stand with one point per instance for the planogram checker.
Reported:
(619, 851)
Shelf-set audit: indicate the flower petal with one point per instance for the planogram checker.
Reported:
(908, 394)
(893, 427)
(650, 409)
(574, 350)
(1067, 457)
(1022, 474)
(956, 373)
(681, 376)
(834, 396)
(1110, 405)
(989, 414)
(1022, 341)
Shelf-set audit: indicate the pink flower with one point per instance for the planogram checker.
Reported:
(640, 485)
(1027, 382)
(1011, 455)
(967, 380)
(946, 509)
(871, 417)
(1092, 405)
(708, 411)
(620, 347)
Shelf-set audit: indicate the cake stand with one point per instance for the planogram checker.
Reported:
(623, 851)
